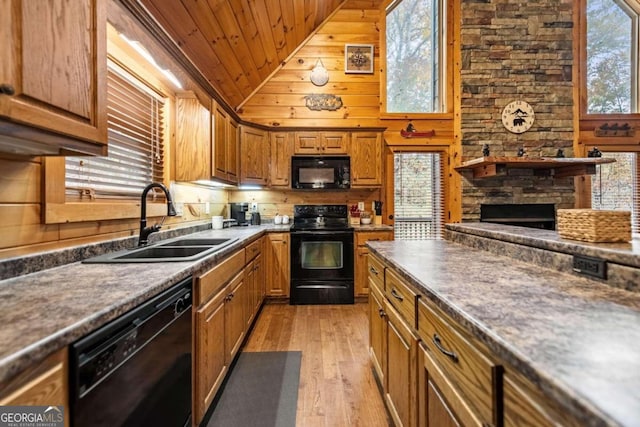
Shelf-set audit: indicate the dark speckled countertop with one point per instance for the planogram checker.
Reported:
(47, 310)
(578, 339)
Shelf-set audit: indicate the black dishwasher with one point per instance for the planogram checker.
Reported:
(136, 370)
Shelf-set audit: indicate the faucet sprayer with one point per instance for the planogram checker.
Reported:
(171, 211)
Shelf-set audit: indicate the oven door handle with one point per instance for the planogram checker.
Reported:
(322, 232)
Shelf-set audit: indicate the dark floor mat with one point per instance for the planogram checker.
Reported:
(262, 390)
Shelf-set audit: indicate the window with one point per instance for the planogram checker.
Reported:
(418, 196)
(136, 157)
(414, 41)
(616, 186)
(612, 56)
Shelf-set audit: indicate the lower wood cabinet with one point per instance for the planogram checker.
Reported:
(431, 373)
(378, 332)
(44, 384)
(524, 405)
(226, 297)
(210, 359)
(402, 366)
(278, 274)
(361, 286)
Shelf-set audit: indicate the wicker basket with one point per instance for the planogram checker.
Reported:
(591, 225)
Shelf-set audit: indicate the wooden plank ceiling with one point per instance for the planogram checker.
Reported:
(238, 44)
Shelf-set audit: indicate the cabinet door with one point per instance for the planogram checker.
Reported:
(439, 402)
(193, 139)
(260, 281)
(361, 273)
(362, 255)
(235, 319)
(402, 370)
(377, 335)
(252, 292)
(307, 142)
(281, 152)
(43, 384)
(278, 265)
(254, 156)
(233, 163)
(334, 142)
(53, 65)
(210, 362)
(219, 154)
(366, 159)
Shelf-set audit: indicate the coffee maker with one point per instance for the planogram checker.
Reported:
(239, 212)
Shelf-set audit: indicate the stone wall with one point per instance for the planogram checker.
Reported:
(516, 50)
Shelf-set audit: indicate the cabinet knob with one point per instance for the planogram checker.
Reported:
(381, 313)
(7, 89)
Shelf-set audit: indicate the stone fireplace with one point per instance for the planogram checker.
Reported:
(516, 51)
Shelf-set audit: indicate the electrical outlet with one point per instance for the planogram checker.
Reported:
(361, 206)
(254, 207)
(207, 208)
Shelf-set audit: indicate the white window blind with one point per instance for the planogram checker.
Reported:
(418, 196)
(616, 186)
(136, 149)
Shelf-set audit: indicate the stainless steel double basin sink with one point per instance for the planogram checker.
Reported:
(180, 249)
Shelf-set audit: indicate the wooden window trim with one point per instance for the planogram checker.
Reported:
(55, 208)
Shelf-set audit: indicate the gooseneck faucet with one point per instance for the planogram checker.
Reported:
(144, 230)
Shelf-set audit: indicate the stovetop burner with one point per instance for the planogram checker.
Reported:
(320, 217)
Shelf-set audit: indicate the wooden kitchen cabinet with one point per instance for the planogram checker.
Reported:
(278, 274)
(393, 347)
(254, 277)
(463, 365)
(525, 406)
(224, 162)
(361, 272)
(53, 82)
(211, 364)
(402, 369)
(235, 315)
(192, 157)
(44, 384)
(366, 159)
(214, 334)
(254, 156)
(321, 143)
(378, 331)
(282, 148)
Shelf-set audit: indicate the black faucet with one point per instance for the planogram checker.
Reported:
(144, 230)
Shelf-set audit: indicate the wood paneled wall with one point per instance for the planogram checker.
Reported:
(280, 101)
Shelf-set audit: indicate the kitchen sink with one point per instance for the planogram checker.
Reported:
(184, 249)
(196, 242)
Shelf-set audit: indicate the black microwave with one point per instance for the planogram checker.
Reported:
(321, 172)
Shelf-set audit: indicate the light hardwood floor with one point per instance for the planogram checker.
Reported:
(337, 385)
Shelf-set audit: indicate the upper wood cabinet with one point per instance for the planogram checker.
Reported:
(224, 158)
(366, 159)
(322, 143)
(254, 156)
(281, 152)
(193, 139)
(53, 87)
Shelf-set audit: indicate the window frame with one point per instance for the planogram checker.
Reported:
(580, 34)
(56, 209)
(449, 76)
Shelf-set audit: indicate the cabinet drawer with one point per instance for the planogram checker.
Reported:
(401, 297)
(371, 236)
(252, 250)
(209, 282)
(467, 368)
(375, 269)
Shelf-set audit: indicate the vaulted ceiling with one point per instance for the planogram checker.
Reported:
(236, 45)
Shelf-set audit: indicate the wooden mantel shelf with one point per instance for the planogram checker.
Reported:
(558, 167)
